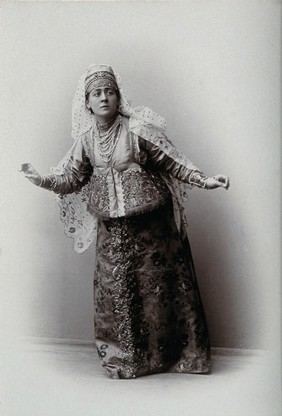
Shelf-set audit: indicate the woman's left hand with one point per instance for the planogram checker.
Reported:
(217, 181)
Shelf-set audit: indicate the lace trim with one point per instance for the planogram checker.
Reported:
(79, 223)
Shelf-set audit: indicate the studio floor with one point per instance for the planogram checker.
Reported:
(58, 379)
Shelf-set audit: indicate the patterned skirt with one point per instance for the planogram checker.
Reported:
(148, 314)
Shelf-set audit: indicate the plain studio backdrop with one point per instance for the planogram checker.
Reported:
(211, 68)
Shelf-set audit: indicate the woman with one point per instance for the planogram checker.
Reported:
(124, 181)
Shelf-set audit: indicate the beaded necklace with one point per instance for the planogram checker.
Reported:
(106, 137)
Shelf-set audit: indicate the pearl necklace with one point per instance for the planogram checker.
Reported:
(107, 140)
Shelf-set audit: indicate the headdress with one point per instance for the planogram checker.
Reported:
(83, 120)
(100, 76)
(79, 223)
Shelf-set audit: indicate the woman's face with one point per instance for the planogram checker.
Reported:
(103, 101)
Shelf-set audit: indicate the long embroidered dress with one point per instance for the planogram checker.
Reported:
(148, 316)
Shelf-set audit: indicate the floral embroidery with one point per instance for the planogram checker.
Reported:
(148, 313)
(141, 188)
(99, 194)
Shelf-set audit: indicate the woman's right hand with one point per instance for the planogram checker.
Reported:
(30, 173)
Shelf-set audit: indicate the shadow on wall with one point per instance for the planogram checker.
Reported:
(231, 299)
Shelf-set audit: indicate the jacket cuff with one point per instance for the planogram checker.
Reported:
(197, 178)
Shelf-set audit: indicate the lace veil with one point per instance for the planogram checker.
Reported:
(79, 223)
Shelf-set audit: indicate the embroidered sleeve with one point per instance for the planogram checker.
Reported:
(74, 173)
(163, 162)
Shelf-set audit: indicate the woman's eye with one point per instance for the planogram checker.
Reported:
(110, 92)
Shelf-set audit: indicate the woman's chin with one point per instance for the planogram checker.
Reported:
(105, 117)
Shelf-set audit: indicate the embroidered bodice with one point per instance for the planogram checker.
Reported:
(130, 184)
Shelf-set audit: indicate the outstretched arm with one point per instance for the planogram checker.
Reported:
(192, 176)
(75, 175)
(208, 182)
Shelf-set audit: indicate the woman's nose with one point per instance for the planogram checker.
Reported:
(103, 96)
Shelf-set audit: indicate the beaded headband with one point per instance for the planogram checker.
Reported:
(100, 79)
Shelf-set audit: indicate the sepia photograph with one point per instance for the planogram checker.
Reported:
(140, 255)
